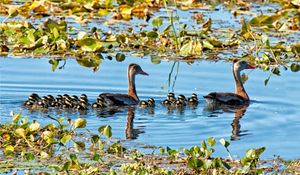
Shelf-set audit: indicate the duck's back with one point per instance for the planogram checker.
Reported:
(110, 99)
(224, 98)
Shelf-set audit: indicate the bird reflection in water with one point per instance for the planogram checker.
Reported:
(130, 132)
(238, 111)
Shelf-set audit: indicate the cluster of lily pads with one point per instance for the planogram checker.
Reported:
(63, 147)
(53, 33)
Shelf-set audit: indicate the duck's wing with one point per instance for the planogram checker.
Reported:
(110, 99)
(224, 98)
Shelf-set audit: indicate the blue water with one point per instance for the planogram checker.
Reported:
(272, 119)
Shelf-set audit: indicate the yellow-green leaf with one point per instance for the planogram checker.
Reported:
(80, 123)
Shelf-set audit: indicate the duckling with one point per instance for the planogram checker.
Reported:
(166, 102)
(68, 103)
(34, 97)
(143, 104)
(151, 102)
(193, 100)
(97, 105)
(82, 106)
(84, 98)
(50, 98)
(59, 98)
(180, 104)
(28, 103)
(171, 97)
(181, 97)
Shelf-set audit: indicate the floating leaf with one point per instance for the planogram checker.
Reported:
(66, 138)
(34, 127)
(20, 132)
(9, 150)
(152, 34)
(186, 49)
(295, 67)
(211, 141)
(264, 20)
(80, 123)
(120, 57)
(79, 146)
(157, 22)
(89, 44)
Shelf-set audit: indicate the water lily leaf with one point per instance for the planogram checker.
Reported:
(82, 35)
(120, 57)
(20, 132)
(157, 22)
(12, 11)
(66, 138)
(186, 49)
(105, 130)
(34, 127)
(152, 34)
(125, 11)
(80, 123)
(9, 150)
(215, 42)
(295, 67)
(103, 12)
(194, 163)
(89, 44)
(264, 20)
(121, 38)
(207, 44)
(47, 135)
(211, 141)
(275, 71)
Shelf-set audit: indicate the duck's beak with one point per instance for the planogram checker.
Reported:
(143, 73)
(251, 67)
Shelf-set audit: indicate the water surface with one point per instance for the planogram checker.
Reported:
(271, 120)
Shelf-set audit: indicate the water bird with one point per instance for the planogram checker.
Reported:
(193, 99)
(149, 103)
(110, 99)
(240, 96)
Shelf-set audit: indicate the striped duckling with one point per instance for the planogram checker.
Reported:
(98, 103)
(32, 100)
(193, 99)
(170, 99)
(181, 101)
(83, 103)
(149, 103)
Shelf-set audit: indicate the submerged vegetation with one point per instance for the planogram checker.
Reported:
(63, 146)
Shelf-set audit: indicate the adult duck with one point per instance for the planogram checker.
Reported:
(110, 99)
(240, 96)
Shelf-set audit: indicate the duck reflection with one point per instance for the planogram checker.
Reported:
(238, 111)
(130, 132)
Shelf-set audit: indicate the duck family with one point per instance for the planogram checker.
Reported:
(106, 100)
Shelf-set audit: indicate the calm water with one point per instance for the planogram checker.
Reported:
(271, 120)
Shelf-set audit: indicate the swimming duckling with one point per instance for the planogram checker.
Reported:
(143, 104)
(59, 98)
(193, 100)
(151, 102)
(34, 97)
(171, 97)
(28, 103)
(181, 97)
(166, 102)
(82, 106)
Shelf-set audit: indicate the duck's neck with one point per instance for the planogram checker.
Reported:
(239, 87)
(131, 86)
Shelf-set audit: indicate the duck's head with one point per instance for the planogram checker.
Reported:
(241, 65)
(134, 69)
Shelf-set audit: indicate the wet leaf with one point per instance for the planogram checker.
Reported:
(80, 123)
(186, 49)
(121, 38)
(157, 22)
(44, 155)
(34, 127)
(66, 138)
(152, 34)
(194, 163)
(107, 131)
(276, 71)
(9, 150)
(54, 64)
(20, 132)
(224, 142)
(264, 20)
(47, 135)
(120, 57)
(89, 44)
(295, 67)
(16, 117)
(211, 141)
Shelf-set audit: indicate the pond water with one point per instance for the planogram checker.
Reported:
(271, 120)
